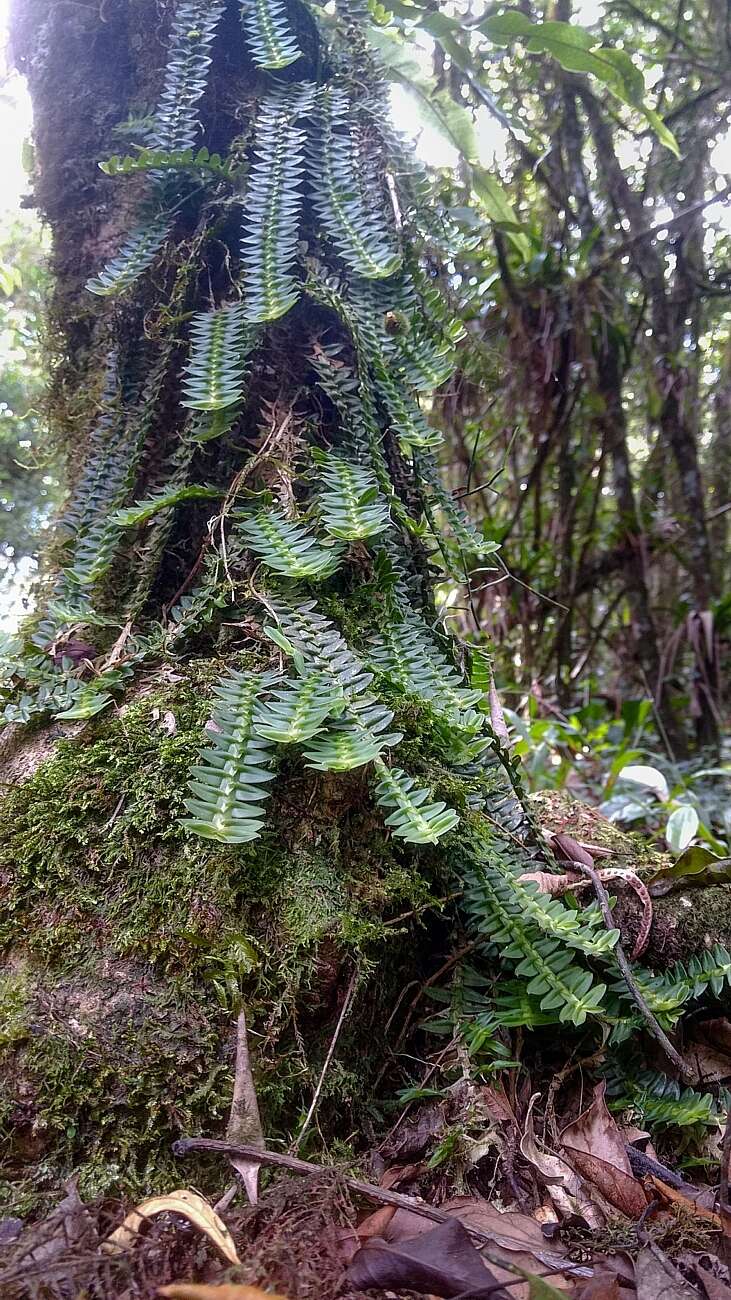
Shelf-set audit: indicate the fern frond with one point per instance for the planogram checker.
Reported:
(545, 961)
(186, 72)
(356, 232)
(272, 206)
(286, 546)
(296, 711)
(403, 652)
(711, 969)
(582, 930)
(135, 256)
(350, 504)
(227, 785)
(346, 745)
(424, 362)
(165, 499)
(213, 424)
(659, 1100)
(361, 733)
(269, 37)
(462, 528)
(165, 160)
(414, 819)
(322, 644)
(216, 372)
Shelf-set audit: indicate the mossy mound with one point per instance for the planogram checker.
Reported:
(128, 943)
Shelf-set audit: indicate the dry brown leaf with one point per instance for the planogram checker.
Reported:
(377, 1223)
(227, 1291)
(190, 1205)
(518, 1235)
(442, 1262)
(596, 1149)
(676, 1197)
(562, 1183)
(714, 1288)
(657, 1279)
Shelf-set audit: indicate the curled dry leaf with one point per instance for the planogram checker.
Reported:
(516, 1236)
(442, 1261)
(562, 1183)
(596, 1149)
(227, 1291)
(190, 1205)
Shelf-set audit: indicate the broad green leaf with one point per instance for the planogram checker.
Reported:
(279, 638)
(647, 776)
(663, 132)
(88, 704)
(681, 826)
(696, 866)
(493, 196)
(504, 28)
(447, 32)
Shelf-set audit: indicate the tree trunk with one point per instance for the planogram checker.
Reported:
(252, 531)
(246, 369)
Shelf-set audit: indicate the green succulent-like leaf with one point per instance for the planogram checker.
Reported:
(287, 546)
(350, 503)
(186, 73)
(413, 818)
(272, 205)
(354, 224)
(403, 651)
(269, 36)
(296, 711)
(142, 511)
(136, 254)
(545, 962)
(216, 373)
(228, 785)
(347, 744)
(162, 160)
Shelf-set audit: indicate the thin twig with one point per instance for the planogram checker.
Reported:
(724, 1205)
(382, 1195)
(330, 1053)
(658, 1033)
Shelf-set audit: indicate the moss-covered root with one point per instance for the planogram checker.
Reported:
(128, 944)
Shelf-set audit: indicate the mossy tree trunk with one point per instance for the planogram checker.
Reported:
(254, 525)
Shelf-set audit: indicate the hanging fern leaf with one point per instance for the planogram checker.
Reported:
(143, 511)
(350, 504)
(356, 231)
(213, 424)
(286, 546)
(272, 206)
(349, 743)
(227, 785)
(403, 652)
(186, 72)
(272, 44)
(216, 373)
(462, 528)
(414, 819)
(546, 962)
(361, 733)
(136, 255)
(296, 711)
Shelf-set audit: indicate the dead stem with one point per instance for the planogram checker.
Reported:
(330, 1052)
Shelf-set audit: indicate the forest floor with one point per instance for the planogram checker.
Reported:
(520, 1184)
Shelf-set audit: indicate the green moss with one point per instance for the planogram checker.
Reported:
(131, 944)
